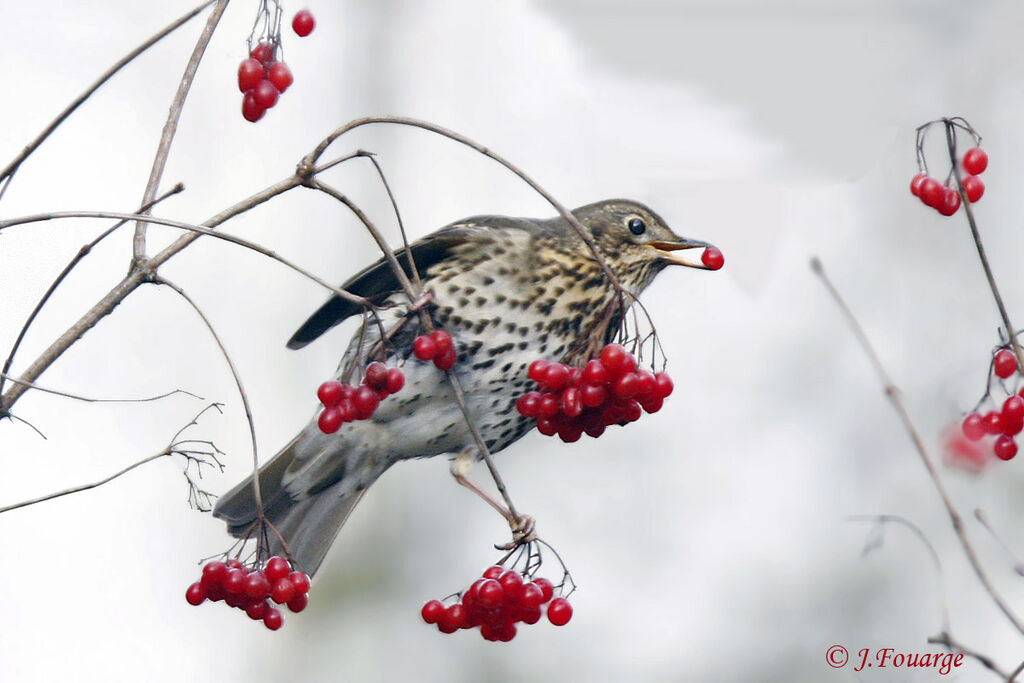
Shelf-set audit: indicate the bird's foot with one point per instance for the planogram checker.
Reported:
(523, 526)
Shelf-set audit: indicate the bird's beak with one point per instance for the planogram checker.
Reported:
(668, 251)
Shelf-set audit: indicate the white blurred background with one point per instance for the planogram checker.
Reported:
(709, 541)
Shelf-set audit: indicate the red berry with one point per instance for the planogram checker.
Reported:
(1013, 408)
(330, 393)
(972, 427)
(300, 581)
(570, 433)
(932, 192)
(632, 411)
(559, 612)
(251, 111)
(265, 94)
(538, 371)
(256, 586)
(443, 341)
(250, 72)
(452, 619)
(195, 595)
(446, 359)
(992, 422)
(712, 258)
(283, 591)
(234, 564)
(489, 593)
(1005, 363)
(298, 603)
(494, 572)
(529, 615)
(572, 402)
(1005, 447)
(652, 405)
(613, 357)
(662, 385)
(277, 568)
(365, 402)
(303, 23)
(432, 611)
(975, 161)
(234, 583)
(396, 380)
(556, 377)
(280, 75)
(263, 52)
(376, 376)
(214, 574)
(594, 430)
(627, 386)
(546, 588)
(257, 610)
(593, 395)
(645, 385)
(531, 595)
(275, 620)
(950, 202)
(547, 426)
(528, 404)
(512, 583)
(915, 184)
(424, 347)
(974, 188)
(595, 373)
(330, 420)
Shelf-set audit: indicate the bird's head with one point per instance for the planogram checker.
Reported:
(636, 242)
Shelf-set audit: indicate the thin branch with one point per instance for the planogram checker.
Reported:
(8, 173)
(89, 399)
(893, 394)
(946, 640)
(82, 253)
(398, 217)
(951, 145)
(881, 520)
(171, 126)
(238, 383)
(171, 449)
(1016, 672)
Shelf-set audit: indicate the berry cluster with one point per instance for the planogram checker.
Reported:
(1003, 424)
(262, 78)
(608, 390)
(436, 346)
(345, 403)
(496, 602)
(946, 199)
(252, 590)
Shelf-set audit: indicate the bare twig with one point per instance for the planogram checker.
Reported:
(946, 640)
(89, 399)
(881, 521)
(164, 148)
(8, 173)
(950, 126)
(171, 449)
(82, 253)
(238, 383)
(893, 394)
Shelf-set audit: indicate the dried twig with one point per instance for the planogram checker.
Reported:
(171, 449)
(893, 394)
(946, 640)
(167, 136)
(8, 173)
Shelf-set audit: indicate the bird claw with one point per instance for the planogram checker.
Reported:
(524, 531)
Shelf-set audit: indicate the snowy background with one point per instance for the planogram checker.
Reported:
(711, 541)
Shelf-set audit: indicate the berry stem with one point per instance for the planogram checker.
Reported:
(892, 392)
(951, 145)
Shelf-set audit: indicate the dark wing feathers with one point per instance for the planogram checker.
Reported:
(378, 281)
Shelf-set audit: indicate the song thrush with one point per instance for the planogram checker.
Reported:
(509, 291)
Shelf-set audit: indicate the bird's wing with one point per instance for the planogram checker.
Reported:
(378, 281)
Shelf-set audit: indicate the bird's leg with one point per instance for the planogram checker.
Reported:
(522, 526)
(424, 298)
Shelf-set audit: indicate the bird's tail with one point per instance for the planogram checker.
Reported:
(307, 524)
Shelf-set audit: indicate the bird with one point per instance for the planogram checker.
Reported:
(509, 291)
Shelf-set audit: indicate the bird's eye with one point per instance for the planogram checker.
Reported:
(637, 226)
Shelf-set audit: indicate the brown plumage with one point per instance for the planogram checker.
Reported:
(509, 291)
